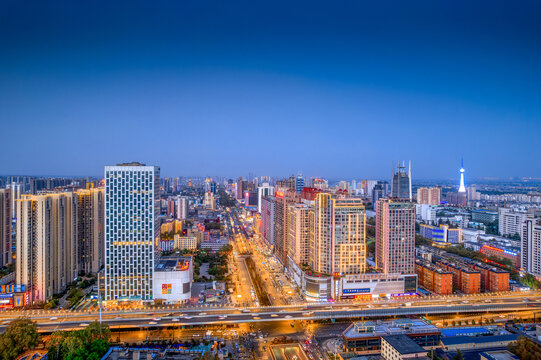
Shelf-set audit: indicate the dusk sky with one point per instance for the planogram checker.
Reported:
(337, 89)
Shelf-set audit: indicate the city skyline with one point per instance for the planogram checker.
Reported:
(177, 84)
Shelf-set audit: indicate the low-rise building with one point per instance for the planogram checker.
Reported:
(464, 343)
(173, 278)
(365, 337)
(401, 347)
(185, 242)
(434, 279)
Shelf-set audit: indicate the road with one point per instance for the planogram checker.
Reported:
(167, 317)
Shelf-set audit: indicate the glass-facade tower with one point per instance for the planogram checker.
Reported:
(131, 193)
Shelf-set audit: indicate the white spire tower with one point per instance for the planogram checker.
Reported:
(462, 188)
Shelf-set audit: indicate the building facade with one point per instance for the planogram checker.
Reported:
(395, 236)
(47, 251)
(182, 207)
(510, 221)
(6, 245)
(339, 235)
(530, 247)
(401, 183)
(90, 229)
(300, 233)
(131, 228)
(430, 196)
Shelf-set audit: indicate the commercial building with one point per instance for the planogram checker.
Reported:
(401, 183)
(182, 207)
(185, 242)
(433, 278)
(46, 259)
(6, 244)
(395, 236)
(401, 347)
(131, 228)
(374, 285)
(502, 253)
(214, 245)
(250, 199)
(465, 343)
(365, 337)
(90, 229)
(484, 216)
(172, 226)
(300, 231)
(430, 196)
(442, 235)
(339, 236)
(299, 183)
(210, 200)
(510, 221)
(262, 191)
(173, 278)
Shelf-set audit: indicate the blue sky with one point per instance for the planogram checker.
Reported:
(334, 89)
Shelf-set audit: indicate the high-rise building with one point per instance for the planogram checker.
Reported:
(182, 207)
(171, 207)
(242, 186)
(401, 183)
(339, 240)
(299, 183)
(210, 200)
(131, 228)
(267, 219)
(16, 192)
(6, 246)
(90, 227)
(300, 231)
(380, 190)
(430, 196)
(264, 190)
(395, 236)
(368, 187)
(281, 234)
(46, 259)
(530, 248)
(510, 221)
(250, 199)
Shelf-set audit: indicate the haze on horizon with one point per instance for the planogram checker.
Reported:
(228, 88)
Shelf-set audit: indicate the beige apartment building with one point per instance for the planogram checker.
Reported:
(47, 251)
(300, 231)
(339, 243)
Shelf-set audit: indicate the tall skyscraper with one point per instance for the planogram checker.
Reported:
(339, 240)
(401, 182)
(6, 246)
(264, 190)
(182, 207)
(395, 236)
(90, 229)
(300, 231)
(530, 249)
(46, 259)
(281, 229)
(462, 188)
(131, 226)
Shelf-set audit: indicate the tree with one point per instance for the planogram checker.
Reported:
(21, 335)
(91, 343)
(458, 355)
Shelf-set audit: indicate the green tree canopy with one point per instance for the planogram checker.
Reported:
(20, 335)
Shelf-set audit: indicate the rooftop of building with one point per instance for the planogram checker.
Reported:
(499, 355)
(465, 331)
(403, 344)
(174, 263)
(133, 163)
(458, 340)
(378, 328)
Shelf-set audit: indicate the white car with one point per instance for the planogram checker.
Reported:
(288, 316)
(152, 323)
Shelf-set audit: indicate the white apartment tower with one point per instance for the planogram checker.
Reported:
(530, 249)
(182, 207)
(131, 226)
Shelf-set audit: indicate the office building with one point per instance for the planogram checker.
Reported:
(182, 207)
(299, 183)
(430, 196)
(300, 231)
(185, 242)
(442, 235)
(90, 227)
(484, 216)
(264, 190)
(131, 229)
(250, 199)
(510, 221)
(6, 245)
(530, 248)
(395, 236)
(339, 246)
(210, 200)
(47, 251)
(380, 190)
(401, 182)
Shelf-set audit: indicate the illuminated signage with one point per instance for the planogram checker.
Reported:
(355, 291)
(167, 289)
